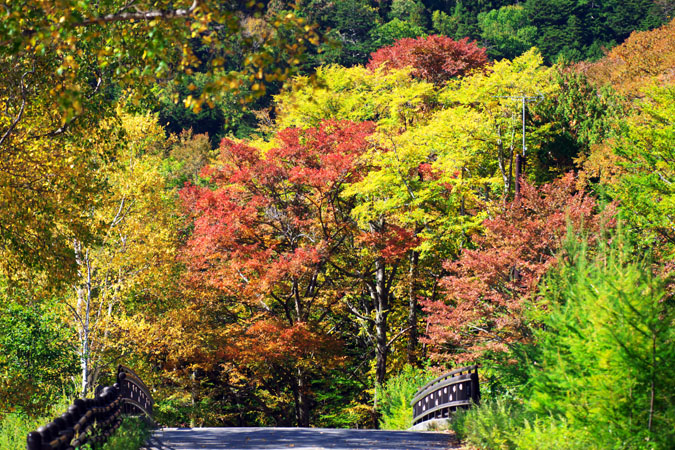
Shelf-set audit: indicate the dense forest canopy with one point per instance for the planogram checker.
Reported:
(294, 213)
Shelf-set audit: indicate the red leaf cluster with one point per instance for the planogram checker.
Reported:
(486, 287)
(272, 216)
(264, 230)
(270, 343)
(434, 58)
(390, 242)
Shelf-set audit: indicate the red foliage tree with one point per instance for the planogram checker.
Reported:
(486, 287)
(264, 232)
(434, 58)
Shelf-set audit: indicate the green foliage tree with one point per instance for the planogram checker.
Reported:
(646, 152)
(228, 117)
(606, 347)
(411, 11)
(390, 32)
(38, 355)
(577, 29)
(561, 27)
(351, 22)
(506, 32)
(582, 115)
(459, 25)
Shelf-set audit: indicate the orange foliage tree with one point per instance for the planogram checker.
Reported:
(435, 58)
(264, 231)
(647, 57)
(486, 288)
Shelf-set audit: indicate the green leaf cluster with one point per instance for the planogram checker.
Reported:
(37, 355)
(645, 145)
(606, 353)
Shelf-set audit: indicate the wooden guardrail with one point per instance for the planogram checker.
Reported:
(94, 420)
(443, 395)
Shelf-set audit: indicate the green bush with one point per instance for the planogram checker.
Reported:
(14, 429)
(601, 368)
(607, 348)
(15, 426)
(37, 357)
(131, 435)
(394, 398)
(491, 425)
(552, 433)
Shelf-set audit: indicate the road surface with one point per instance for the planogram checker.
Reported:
(296, 438)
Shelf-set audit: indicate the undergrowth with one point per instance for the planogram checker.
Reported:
(395, 396)
(14, 429)
(131, 435)
(15, 426)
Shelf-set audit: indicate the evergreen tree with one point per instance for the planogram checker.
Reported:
(350, 22)
(506, 32)
(607, 352)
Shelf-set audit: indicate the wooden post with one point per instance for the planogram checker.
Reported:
(475, 387)
(34, 441)
(519, 162)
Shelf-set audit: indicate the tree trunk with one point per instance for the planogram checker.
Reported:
(302, 399)
(652, 390)
(83, 312)
(412, 309)
(381, 300)
(382, 350)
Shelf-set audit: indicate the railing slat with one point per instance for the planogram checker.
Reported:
(448, 374)
(458, 388)
(442, 384)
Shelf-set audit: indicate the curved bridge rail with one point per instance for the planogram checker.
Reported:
(442, 396)
(94, 420)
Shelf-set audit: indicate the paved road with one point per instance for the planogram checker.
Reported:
(295, 438)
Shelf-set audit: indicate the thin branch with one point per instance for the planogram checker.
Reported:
(19, 116)
(76, 314)
(124, 16)
(396, 336)
(398, 169)
(355, 311)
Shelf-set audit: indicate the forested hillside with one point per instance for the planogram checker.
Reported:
(296, 213)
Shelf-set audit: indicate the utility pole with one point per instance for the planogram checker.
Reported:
(520, 157)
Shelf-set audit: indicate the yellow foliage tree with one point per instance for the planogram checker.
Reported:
(394, 99)
(131, 261)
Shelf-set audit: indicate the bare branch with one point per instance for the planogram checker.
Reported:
(18, 117)
(396, 336)
(356, 312)
(123, 15)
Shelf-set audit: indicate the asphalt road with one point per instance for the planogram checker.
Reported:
(295, 438)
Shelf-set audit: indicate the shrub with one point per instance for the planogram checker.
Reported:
(15, 426)
(395, 396)
(490, 425)
(606, 356)
(131, 435)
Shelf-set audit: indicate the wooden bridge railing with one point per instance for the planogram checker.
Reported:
(442, 396)
(94, 420)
